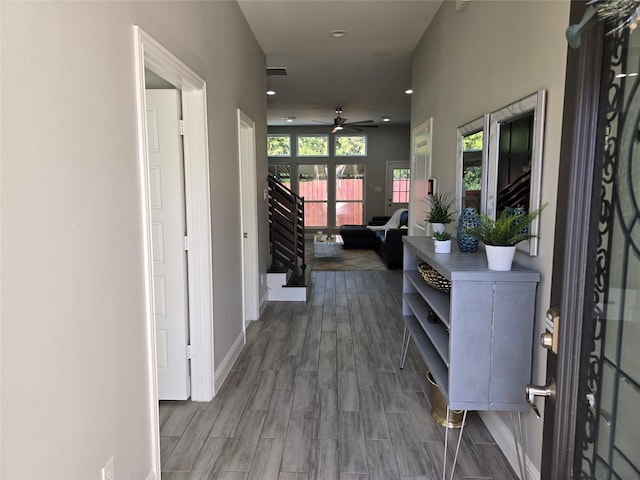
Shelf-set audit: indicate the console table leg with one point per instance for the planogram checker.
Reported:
(406, 337)
(446, 446)
(518, 438)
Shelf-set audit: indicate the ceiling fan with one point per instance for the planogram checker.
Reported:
(340, 123)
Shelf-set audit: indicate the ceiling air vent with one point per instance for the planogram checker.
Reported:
(277, 71)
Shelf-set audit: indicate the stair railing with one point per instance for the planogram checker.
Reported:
(516, 194)
(286, 228)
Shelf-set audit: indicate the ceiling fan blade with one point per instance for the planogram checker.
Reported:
(352, 125)
(361, 121)
(324, 123)
(356, 128)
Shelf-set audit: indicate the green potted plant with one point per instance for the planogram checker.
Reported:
(439, 210)
(442, 242)
(500, 236)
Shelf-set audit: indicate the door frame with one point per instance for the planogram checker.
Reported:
(389, 188)
(425, 128)
(578, 173)
(249, 218)
(151, 54)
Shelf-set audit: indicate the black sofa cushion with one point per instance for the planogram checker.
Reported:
(357, 236)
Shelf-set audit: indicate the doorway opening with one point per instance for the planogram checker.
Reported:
(151, 55)
(249, 212)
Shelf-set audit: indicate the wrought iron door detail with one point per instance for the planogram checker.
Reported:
(609, 380)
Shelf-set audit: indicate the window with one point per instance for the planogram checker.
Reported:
(312, 185)
(313, 146)
(400, 185)
(282, 172)
(279, 145)
(350, 145)
(349, 194)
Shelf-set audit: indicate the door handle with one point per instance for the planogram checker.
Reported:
(533, 391)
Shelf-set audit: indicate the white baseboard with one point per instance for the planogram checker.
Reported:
(503, 436)
(221, 373)
(263, 303)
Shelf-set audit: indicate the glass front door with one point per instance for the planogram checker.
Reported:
(609, 420)
(592, 428)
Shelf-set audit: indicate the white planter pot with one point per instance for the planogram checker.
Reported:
(442, 246)
(438, 227)
(500, 258)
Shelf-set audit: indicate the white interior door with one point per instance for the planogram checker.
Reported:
(249, 206)
(166, 178)
(420, 173)
(398, 186)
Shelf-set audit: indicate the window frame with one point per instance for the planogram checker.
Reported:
(307, 200)
(287, 135)
(366, 145)
(407, 180)
(311, 135)
(361, 201)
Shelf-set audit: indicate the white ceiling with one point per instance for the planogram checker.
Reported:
(365, 72)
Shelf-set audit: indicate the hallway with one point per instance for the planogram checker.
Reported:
(317, 395)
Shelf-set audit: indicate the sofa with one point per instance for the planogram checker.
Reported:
(382, 234)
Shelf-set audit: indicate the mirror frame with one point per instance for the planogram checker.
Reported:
(480, 124)
(535, 103)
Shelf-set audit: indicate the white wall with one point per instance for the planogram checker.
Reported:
(74, 387)
(476, 61)
(388, 143)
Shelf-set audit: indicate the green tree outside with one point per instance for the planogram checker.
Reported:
(473, 142)
(473, 178)
(351, 145)
(315, 146)
(278, 145)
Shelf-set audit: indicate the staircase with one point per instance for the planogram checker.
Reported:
(288, 277)
(516, 194)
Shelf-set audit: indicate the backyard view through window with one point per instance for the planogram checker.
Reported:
(312, 185)
(282, 172)
(350, 145)
(349, 194)
(472, 170)
(401, 183)
(313, 146)
(279, 145)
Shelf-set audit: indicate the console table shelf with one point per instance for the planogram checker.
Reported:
(479, 352)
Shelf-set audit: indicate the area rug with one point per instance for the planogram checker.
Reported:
(333, 257)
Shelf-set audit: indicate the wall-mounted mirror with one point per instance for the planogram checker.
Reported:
(471, 165)
(514, 173)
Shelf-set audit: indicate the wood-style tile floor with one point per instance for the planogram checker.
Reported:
(317, 395)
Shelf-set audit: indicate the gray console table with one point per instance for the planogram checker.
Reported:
(479, 351)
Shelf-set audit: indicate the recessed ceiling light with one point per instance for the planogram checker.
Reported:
(338, 33)
(385, 119)
(288, 119)
(271, 92)
(408, 91)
